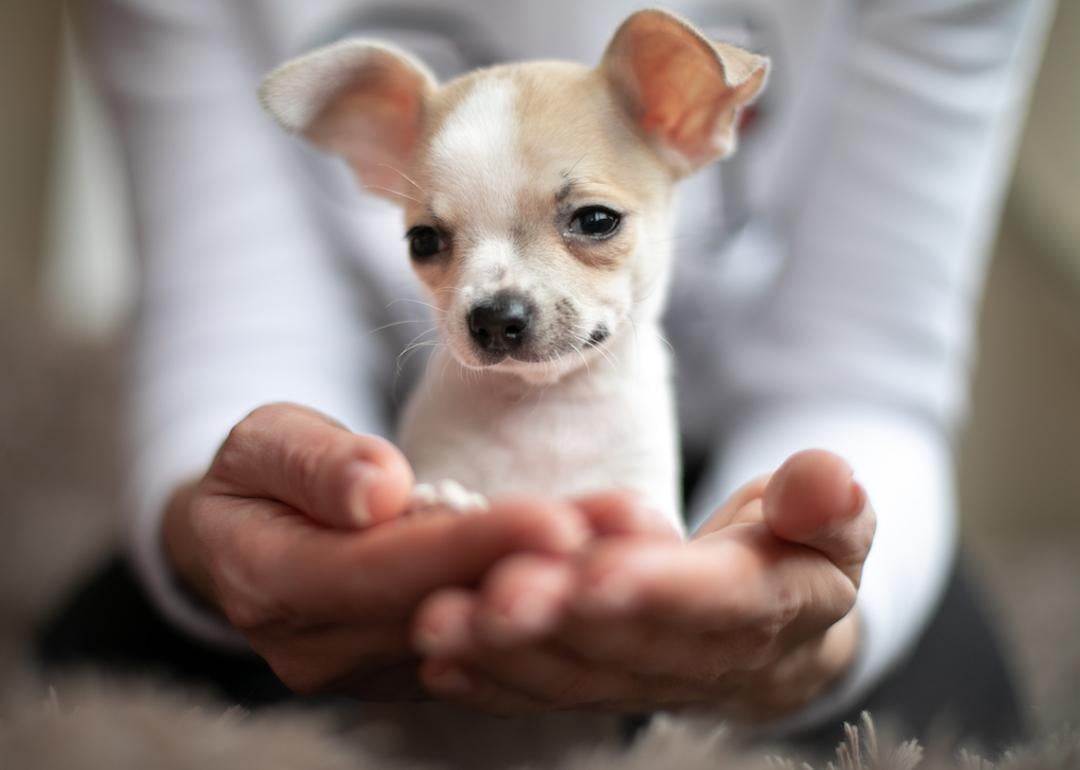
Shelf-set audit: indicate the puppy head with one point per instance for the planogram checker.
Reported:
(536, 195)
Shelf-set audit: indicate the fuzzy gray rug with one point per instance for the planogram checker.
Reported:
(93, 725)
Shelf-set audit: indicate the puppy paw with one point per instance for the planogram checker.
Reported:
(445, 495)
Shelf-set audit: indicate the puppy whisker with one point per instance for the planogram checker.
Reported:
(452, 290)
(403, 175)
(375, 188)
(416, 302)
(396, 323)
(416, 343)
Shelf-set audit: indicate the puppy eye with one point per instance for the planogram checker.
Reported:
(595, 222)
(424, 242)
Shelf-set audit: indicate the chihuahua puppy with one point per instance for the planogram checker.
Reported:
(537, 200)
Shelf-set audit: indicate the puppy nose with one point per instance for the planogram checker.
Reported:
(501, 323)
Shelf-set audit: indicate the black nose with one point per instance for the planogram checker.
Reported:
(501, 324)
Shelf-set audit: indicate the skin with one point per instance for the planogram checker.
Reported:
(294, 535)
(751, 618)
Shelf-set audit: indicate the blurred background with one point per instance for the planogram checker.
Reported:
(66, 290)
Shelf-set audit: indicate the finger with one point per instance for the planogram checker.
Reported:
(759, 594)
(649, 650)
(522, 599)
(386, 571)
(622, 512)
(741, 577)
(452, 682)
(709, 589)
(744, 505)
(313, 464)
(321, 659)
(813, 500)
(442, 626)
(544, 676)
(684, 662)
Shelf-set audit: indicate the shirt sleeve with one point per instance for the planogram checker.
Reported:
(864, 343)
(241, 300)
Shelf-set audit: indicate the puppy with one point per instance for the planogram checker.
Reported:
(537, 201)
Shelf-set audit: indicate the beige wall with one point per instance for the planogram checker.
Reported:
(28, 45)
(1046, 200)
(1020, 464)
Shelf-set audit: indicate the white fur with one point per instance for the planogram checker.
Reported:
(610, 425)
(580, 424)
(475, 154)
(299, 89)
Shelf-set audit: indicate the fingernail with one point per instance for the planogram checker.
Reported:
(364, 478)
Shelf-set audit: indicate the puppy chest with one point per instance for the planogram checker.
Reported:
(541, 448)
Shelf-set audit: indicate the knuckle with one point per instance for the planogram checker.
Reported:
(241, 613)
(269, 414)
(247, 610)
(844, 600)
(233, 452)
(203, 514)
(756, 645)
(253, 425)
(245, 596)
(784, 611)
(244, 438)
(304, 464)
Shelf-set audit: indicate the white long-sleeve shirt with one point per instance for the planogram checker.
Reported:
(826, 284)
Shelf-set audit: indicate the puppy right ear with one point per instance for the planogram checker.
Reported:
(682, 90)
(362, 100)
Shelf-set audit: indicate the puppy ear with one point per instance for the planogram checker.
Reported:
(364, 101)
(683, 91)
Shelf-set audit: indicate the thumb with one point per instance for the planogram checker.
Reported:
(311, 463)
(813, 500)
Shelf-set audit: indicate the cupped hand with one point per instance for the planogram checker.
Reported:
(277, 536)
(751, 618)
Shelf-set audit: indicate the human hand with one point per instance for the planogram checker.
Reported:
(751, 618)
(276, 536)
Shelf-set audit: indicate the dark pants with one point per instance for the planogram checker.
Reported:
(954, 679)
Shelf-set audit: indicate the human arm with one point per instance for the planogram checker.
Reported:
(241, 300)
(293, 536)
(864, 343)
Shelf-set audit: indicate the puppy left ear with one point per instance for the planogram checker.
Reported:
(682, 90)
(359, 99)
